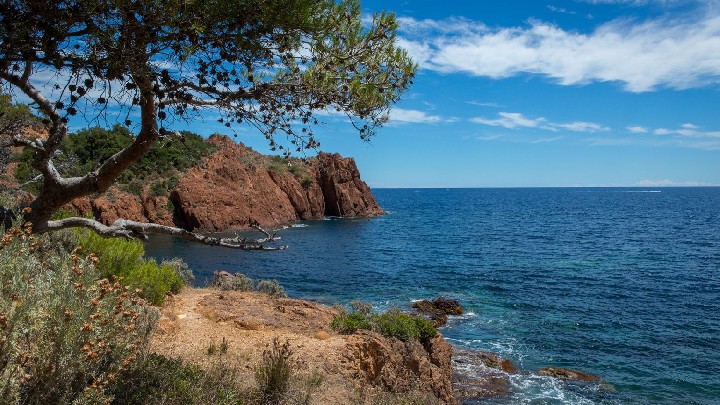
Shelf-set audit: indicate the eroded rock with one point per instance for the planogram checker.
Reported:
(398, 366)
(438, 309)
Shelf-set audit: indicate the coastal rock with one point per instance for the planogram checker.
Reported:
(116, 204)
(438, 309)
(344, 193)
(227, 192)
(480, 374)
(568, 374)
(236, 187)
(398, 366)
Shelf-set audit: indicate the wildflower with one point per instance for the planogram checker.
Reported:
(87, 326)
(27, 210)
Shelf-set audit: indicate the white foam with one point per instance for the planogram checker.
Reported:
(300, 225)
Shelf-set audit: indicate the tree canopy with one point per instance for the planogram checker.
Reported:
(271, 64)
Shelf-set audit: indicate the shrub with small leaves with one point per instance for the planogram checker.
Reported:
(274, 373)
(271, 287)
(181, 269)
(361, 307)
(66, 335)
(392, 323)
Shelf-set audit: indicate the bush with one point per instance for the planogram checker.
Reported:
(274, 373)
(306, 181)
(122, 259)
(66, 336)
(181, 269)
(271, 287)
(350, 323)
(222, 280)
(393, 323)
(160, 380)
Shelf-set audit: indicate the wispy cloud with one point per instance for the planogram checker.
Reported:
(688, 130)
(671, 183)
(560, 10)
(512, 120)
(642, 56)
(399, 115)
(637, 129)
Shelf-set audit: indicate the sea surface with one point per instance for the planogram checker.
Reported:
(622, 283)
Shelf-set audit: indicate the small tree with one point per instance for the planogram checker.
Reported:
(272, 64)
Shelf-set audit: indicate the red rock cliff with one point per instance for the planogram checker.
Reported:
(236, 186)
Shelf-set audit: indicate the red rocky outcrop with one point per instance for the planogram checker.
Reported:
(235, 187)
(398, 366)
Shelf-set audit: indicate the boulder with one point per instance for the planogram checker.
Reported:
(438, 309)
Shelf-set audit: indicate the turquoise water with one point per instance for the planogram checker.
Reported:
(620, 283)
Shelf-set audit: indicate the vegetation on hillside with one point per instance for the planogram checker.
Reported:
(392, 323)
(88, 149)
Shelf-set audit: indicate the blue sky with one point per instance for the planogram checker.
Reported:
(516, 93)
(556, 93)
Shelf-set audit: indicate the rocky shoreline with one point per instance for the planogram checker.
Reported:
(346, 364)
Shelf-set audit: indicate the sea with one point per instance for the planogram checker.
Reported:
(622, 283)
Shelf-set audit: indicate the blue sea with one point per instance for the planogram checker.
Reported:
(622, 283)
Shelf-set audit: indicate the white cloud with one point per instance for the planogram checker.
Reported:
(399, 115)
(518, 120)
(546, 140)
(671, 183)
(688, 130)
(637, 129)
(561, 10)
(510, 120)
(643, 56)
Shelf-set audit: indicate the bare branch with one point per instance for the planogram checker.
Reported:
(139, 230)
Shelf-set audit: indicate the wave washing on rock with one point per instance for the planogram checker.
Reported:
(234, 187)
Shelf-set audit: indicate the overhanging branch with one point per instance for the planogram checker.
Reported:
(139, 230)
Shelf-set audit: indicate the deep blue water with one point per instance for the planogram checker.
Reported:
(620, 283)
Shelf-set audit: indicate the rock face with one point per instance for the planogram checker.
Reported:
(438, 309)
(398, 366)
(234, 187)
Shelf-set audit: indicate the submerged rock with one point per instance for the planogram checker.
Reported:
(568, 374)
(438, 309)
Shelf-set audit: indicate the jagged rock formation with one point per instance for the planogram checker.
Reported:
(235, 187)
(398, 366)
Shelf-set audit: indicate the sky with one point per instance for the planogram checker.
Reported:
(550, 93)
(543, 93)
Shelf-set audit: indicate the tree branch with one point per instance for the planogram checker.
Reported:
(139, 230)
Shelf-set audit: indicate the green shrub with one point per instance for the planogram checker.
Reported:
(271, 287)
(306, 181)
(154, 281)
(222, 280)
(160, 380)
(274, 373)
(350, 323)
(122, 258)
(393, 323)
(66, 336)
(181, 269)
(361, 307)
